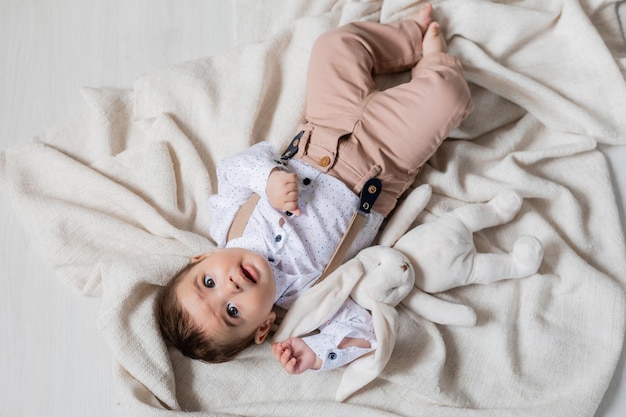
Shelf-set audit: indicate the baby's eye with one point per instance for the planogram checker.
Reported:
(208, 282)
(232, 310)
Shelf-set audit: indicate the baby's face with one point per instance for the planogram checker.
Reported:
(229, 294)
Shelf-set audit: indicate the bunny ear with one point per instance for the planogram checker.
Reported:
(366, 368)
(320, 302)
(405, 214)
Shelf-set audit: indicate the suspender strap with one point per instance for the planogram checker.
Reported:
(241, 218)
(369, 194)
(346, 241)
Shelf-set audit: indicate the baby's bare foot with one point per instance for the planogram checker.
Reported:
(433, 40)
(423, 17)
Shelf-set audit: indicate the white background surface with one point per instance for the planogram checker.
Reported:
(53, 361)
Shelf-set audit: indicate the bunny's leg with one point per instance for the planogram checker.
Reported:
(523, 261)
(501, 209)
(421, 304)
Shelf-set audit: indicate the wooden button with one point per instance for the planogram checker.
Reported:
(324, 161)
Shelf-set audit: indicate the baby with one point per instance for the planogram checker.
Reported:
(224, 300)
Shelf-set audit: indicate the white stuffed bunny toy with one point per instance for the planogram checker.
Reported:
(432, 257)
(443, 254)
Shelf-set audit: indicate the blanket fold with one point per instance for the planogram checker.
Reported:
(115, 198)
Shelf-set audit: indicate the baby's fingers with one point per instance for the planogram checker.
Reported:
(282, 353)
(288, 362)
(296, 212)
(277, 350)
(282, 191)
(291, 198)
(287, 181)
(292, 205)
(290, 366)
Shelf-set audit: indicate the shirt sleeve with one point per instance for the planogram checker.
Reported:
(238, 177)
(350, 321)
(247, 171)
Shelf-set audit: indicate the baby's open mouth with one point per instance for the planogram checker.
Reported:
(249, 275)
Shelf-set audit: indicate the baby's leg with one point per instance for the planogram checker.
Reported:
(358, 131)
(340, 85)
(413, 119)
(343, 62)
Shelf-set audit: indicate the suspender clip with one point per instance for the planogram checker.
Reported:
(369, 193)
(293, 147)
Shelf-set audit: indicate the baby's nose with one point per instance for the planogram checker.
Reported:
(234, 284)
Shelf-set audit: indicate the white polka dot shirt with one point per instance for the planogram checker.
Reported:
(300, 248)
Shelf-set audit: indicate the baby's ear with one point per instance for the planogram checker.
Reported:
(264, 329)
(199, 258)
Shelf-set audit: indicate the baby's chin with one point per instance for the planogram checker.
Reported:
(268, 278)
(273, 283)
(268, 271)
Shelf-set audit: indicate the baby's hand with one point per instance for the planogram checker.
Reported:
(295, 356)
(282, 191)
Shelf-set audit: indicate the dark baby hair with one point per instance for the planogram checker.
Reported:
(178, 328)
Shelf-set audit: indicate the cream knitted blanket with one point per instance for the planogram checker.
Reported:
(116, 197)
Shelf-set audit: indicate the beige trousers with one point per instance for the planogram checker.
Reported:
(354, 131)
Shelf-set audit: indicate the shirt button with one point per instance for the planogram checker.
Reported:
(270, 260)
(278, 238)
(306, 181)
(332, 356)
(288, 213)
(324, 161)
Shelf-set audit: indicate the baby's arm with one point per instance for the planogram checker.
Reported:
(295, 356)
(346, 337)
(247, 172)
(238, 177)
(258, 169)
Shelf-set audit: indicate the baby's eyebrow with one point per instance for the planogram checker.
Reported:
(198, 289)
